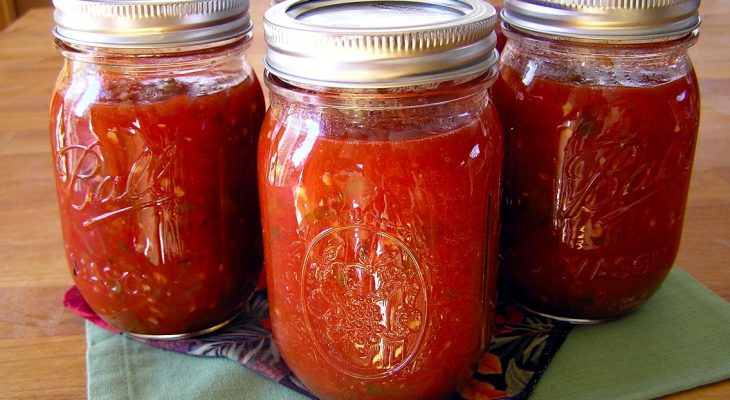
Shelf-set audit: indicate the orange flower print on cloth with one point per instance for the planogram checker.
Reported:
(478, 390)
(490, 364)
(523, 345)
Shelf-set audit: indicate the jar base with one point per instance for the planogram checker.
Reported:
(185, 335)
(571, 320)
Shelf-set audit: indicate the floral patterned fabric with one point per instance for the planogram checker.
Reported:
(522, 348)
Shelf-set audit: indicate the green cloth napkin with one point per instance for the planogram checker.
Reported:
(121, 368)
(680, 339)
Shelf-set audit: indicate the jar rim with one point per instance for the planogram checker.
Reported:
(382, 97)
(611, 47)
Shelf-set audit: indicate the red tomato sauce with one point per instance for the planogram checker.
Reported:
(596, 181)
(375, 251)
(158, 199)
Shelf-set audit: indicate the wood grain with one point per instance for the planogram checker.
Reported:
(42, 346)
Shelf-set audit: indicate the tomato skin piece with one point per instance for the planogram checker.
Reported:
(597, 171)
(378, 221)
(156, 182)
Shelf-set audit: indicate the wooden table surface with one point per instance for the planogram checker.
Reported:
(42, 345)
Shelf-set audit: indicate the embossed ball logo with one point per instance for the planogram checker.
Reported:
(364, 299)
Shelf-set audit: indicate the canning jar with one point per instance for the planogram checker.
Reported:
(501, 39)
(600, 107)
(154, 127)
(379, 173)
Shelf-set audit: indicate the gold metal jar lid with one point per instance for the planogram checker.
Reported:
(150, 23)
(619, 20)
(386, 43)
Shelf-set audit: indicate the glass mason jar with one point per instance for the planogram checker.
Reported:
(501, 39)
(379, 172)
(154, 128)
(600, 109)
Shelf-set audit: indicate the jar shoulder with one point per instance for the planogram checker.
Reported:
(596, 64)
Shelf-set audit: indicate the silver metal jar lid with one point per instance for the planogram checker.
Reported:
(150, 23)
(619, 20)
(386, 43)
